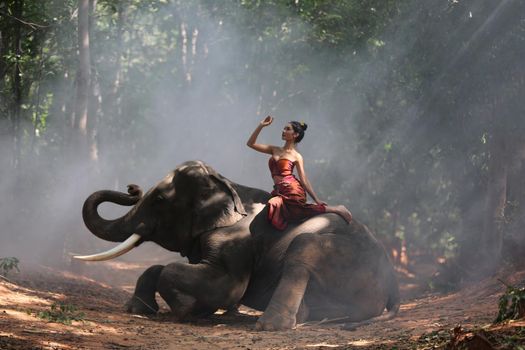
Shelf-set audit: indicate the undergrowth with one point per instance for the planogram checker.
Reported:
(7, 265)
(61, 313)
(511, 304)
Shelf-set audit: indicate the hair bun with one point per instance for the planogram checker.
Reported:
(303, 125)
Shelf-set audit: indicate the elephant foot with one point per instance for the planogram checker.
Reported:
(137, 305)
(272, 321)
(232, 312)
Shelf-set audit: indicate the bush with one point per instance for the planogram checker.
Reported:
(61, 313)
(7, 265)
(511, 304)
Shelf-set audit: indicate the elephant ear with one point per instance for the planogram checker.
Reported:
(216, 205)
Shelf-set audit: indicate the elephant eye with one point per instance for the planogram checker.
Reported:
(160, 198)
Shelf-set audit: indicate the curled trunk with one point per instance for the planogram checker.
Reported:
(116, 230)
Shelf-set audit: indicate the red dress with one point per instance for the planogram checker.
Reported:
(288, 202)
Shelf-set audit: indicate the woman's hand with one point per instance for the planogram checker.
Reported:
(320, 202)
(267, 121)
(252, 141)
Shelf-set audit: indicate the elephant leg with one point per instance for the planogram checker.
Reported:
(285, 308)
(143, 299)
(198, 289)
(302, 313)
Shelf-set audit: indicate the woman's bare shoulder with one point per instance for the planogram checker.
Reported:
(298, 156)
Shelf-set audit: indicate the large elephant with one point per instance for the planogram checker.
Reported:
(321, 268)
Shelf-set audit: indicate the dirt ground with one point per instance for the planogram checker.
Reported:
(92, 297)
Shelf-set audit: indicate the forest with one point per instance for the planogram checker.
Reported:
(415, 112)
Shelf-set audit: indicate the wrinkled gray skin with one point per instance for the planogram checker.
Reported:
(316, 269)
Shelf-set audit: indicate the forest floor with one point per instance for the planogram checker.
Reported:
(49, 308)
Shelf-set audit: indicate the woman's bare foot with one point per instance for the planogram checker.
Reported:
(342, 211)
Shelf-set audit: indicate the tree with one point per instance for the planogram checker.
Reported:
(83, 81)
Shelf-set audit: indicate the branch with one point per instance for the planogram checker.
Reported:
(32, 25)
(504, 283)
(5, 278)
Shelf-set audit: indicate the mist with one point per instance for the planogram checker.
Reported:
(396, 123)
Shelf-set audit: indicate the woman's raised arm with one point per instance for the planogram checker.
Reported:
(253, 138)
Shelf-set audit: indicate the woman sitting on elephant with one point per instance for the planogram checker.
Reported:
(288, 202)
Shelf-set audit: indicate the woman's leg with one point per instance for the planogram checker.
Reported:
(277, 213)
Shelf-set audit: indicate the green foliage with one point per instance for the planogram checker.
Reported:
(515, 340)
(7, 265)
(434, 340)
(511, 304)
(61, 313)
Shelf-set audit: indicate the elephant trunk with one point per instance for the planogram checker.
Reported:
(116, 230)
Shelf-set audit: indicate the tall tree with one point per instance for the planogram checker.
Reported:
(17, 84)
(83, 77)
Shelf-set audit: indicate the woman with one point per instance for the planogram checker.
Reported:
(288, 202)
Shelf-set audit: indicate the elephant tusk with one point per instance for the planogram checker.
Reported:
(122, 248)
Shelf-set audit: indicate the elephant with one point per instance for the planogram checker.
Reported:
(316, 269)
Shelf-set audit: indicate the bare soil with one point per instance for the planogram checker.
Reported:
(94, 294)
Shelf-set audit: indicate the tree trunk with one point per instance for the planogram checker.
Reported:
(3, 65)
(36, 103)
(83, 77)
(94, 99)
(4, 161)
(111, 103)
(116, 81)
(514, 241)
(17, 86)
(494, 219)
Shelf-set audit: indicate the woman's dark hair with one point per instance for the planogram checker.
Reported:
(300, 128)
